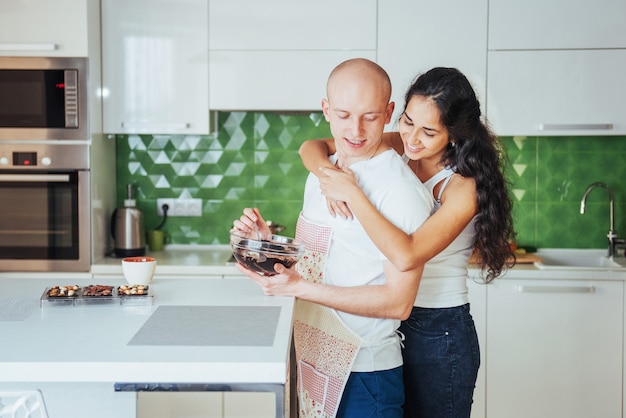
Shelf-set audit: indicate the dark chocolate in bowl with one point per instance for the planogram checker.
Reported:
(261, 255)
(263, 263)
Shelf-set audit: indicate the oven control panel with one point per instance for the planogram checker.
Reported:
(24, 158)
(43, 157)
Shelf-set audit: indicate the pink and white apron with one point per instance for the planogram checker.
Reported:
(325, 347)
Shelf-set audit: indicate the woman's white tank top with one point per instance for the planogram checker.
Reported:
(443, 283)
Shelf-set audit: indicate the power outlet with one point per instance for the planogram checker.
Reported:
(180, 207)
(168, 202)
(194, 207)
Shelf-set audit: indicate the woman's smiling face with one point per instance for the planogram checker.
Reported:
(421, 130)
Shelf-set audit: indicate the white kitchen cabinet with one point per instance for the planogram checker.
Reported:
(478, 309)
(292, 25)
(556, 24)
(554, 348)
(179, 404)
(566, 92)
(414, 36)
(205, 405)
(249, 405)
(155, 69)
(273, 80)
(277, 55)
(564, 76)
(44, 28)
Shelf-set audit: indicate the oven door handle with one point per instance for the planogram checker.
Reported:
(35, 178)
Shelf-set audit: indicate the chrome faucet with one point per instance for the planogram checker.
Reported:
(612, 235)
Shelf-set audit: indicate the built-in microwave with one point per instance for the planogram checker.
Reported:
(43, 98)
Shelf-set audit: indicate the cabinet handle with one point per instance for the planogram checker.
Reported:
(575, 126)
(32, 178)
(28, 47)
(555, 289)
(168, 126)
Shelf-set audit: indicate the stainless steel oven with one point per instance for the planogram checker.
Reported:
(44, 206)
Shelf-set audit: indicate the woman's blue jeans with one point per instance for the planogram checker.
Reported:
(441, 360)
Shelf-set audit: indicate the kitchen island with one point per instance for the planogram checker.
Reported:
(89, 359)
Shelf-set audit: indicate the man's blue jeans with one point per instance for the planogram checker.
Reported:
(373, 395)
(441, 360)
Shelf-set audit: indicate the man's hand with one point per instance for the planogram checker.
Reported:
(284, 283)
(246, 223)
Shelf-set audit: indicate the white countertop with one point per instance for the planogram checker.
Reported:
(212, 261)
(90, 343)
(179, 260)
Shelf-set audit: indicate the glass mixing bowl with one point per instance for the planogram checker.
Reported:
(259, 254)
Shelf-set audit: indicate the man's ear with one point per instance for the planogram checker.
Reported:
(325, 109)
(390, 107)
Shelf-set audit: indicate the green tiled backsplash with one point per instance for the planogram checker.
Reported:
(549, 176)
(252, 160)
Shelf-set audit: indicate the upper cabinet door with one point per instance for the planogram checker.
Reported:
(414, 36)
(44, 28)
(556, 67)
(273, 80)
(556, 24)
(555, 93)
(277, 55)
(155, 66)
(292, 25)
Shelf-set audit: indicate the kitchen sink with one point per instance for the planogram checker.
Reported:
(595, 259)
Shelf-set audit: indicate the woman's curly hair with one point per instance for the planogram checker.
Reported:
(474, 151)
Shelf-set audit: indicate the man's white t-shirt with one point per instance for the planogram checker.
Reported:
(354, 260)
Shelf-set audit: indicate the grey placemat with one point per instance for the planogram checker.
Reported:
(209, 326)
(17, 309)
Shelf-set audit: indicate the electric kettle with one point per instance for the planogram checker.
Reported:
(127, 228)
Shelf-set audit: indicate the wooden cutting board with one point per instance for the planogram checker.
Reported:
(527, 258)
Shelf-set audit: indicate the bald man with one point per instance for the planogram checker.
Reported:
(359, 290)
